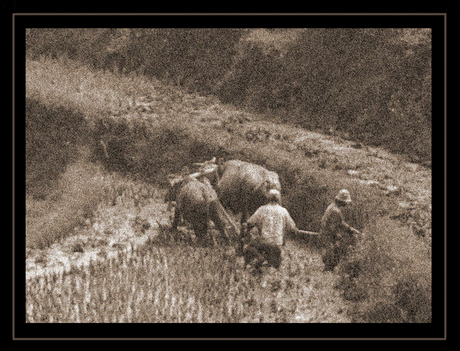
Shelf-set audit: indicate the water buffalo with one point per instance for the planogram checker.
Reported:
(243, 187)
(197, 203)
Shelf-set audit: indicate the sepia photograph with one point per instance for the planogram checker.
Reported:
(228, 175)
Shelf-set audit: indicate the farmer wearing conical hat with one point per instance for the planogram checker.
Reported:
(337, 234)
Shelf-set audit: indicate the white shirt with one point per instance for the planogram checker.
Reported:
(273, 221)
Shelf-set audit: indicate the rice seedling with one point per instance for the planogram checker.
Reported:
(175, 283)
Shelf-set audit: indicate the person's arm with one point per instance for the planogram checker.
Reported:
(353, 233)
(252, 222)
(349, 228)
(345, 226)
(338, 220)
(290, 226)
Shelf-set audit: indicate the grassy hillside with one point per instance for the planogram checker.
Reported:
(368, 84)
(144, 129)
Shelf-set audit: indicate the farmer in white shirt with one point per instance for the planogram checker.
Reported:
(273, 222)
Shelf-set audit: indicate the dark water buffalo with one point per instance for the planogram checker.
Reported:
(197, 203)
(243, 187)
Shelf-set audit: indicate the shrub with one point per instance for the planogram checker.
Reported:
(413, 296)
(393, 269)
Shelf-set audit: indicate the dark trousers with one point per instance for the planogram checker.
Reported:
(258, 251)
(333, 255)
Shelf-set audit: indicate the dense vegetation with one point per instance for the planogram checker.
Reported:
(371, 85)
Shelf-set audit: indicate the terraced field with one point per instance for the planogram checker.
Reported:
(98, 244)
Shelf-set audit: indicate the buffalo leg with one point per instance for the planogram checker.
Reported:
(175, 223)
(244, 218)
(216, 217)
(244, 214)
(176, 218)
(201, 231)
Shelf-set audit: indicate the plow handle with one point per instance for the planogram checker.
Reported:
(306, 232)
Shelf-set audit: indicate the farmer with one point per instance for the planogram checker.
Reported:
(272, 221)
(339, 235)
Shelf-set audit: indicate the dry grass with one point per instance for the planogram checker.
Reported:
(73, 85)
